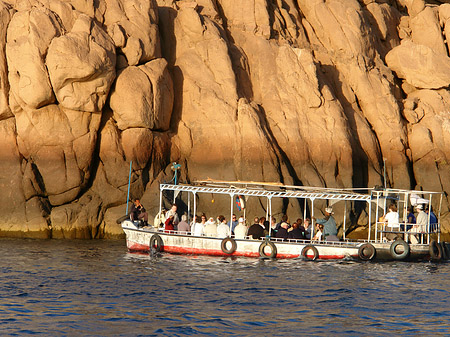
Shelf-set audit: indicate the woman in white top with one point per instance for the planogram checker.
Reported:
(198, 228)
(223, 230)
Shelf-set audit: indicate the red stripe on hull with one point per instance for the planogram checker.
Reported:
(138, 248)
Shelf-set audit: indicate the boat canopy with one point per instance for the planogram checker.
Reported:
(275, 191)
(270, 191)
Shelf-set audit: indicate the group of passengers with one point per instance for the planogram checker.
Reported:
(415, 226)
(201, 226)
(237, 228)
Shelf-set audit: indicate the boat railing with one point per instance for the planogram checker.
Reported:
(249, 238)
(407, 230)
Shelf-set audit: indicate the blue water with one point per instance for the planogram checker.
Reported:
(97, 288)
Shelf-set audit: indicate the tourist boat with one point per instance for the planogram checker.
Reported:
(374, 203)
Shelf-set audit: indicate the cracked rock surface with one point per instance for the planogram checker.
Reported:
(310, 92)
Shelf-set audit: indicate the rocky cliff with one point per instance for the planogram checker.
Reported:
(312, 92)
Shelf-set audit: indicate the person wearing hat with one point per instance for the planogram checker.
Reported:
(241, 229)
(210, 228)
(421, 224)
(329, 225)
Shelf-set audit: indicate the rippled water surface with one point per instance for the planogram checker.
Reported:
(97, 288)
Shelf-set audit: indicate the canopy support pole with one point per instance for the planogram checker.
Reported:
(345, 217)
(231, 213)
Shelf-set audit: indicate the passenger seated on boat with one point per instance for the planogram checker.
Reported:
(233, 222)
(194, 221)
(183, 226)
(420, 226)
(296, 232)
(282, 231)
(328, 222)
(160, 219)
(391, 219)
(168, 226)
(138, 212)
(210, 228)
(284, 218)
(410, 220)
(240, 232)
(433, 219)
(257, 230)
(198, 228)
(307, 226)
(273, 225)
(223, 230)
(173, 211)
(319, 232)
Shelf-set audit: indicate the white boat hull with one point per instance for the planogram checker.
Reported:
(138, 240)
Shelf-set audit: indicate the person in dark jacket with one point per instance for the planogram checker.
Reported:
(282, 232)
(296, 232)
(256, 231)
(138, 212)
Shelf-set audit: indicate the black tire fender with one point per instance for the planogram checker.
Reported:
(435, 250)
(314, 250)
(444, 251)
(273, 252)
(156, 243)
(393, 249)
(367, 252)
(224, 248)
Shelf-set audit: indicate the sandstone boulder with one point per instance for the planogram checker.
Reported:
(110, 229)
(29, 36)
(309, 92)
(81, 65)
(419, 65)
(251, 16)
(426, 30)
(133, 26)
(80, 220)
(6, 13)
(143, 96)
(429, 139)
(60, 144)
(209, 84)
(20, 215)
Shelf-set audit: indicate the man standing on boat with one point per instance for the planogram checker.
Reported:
(329, 225)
